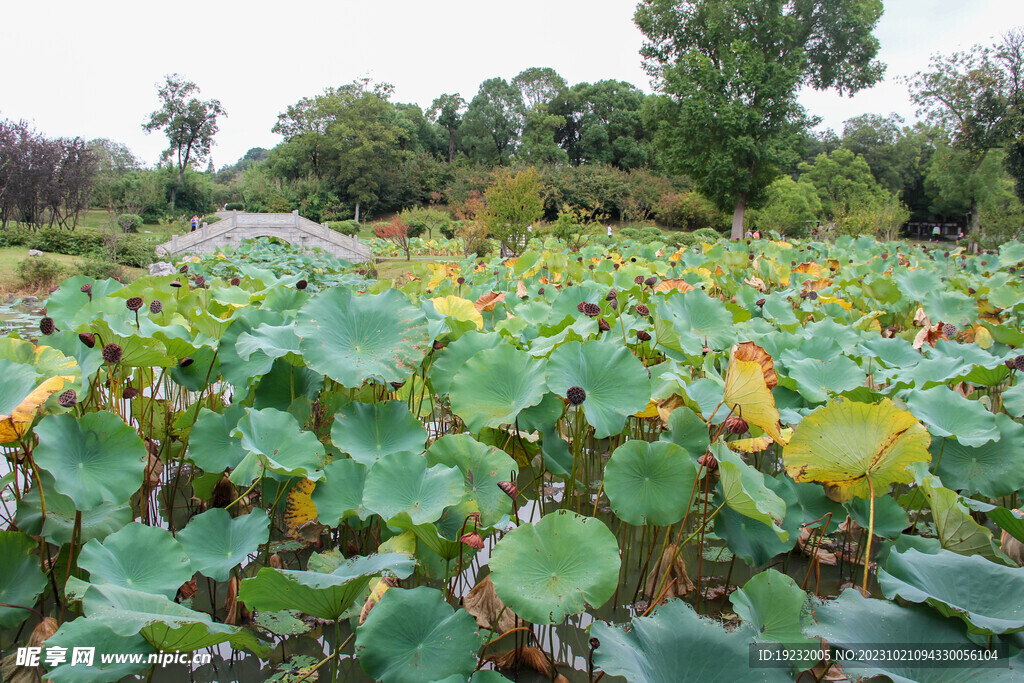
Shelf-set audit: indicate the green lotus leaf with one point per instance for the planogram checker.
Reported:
(275, 341)
(286, 622)
(749, 539)
(83, 630)
(950, 306)
(495, 385)
(817, 380)
(368, 431)
(236, 370)
(674, 645)
(947, 413)
(558, 459)
(555, 567)
(59, 524)
(894, 352)
(339, 495)
(450, 361)
(69, 306)
(743, 489)
(326, 595)
(649, 483)
(138, 557)
(957, 530)
(697, 316)
(687, 429)
(403, 482)
(842, 443)
(287, 385)
(21, 580)
(216, 542)
(482, 467)
(94, 459)
(211, 445)
(615, 381)
(165, 625)
(542, 416)
(890, 518)
(196, 376)
(851, 620)
(1013, 400)
(352, 338)
(274, 440)
(775, 609)
(987, 596)
(992, 470)
(414, 635)
(137, 349)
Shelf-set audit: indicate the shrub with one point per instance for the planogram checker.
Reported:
(101, 268)
(234, 206)
(134, 251)
(687, 210)
(349, 227)
(129, 222)
(40, 272)
(706, 235)
(63, 242)
(651, 234)
(451, 229)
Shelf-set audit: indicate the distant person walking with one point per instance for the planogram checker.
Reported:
(936, 233)
(195, 222)
(609, 231)
(757, 234)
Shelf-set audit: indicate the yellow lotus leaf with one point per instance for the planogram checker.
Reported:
(650, 411)
(508, 263)
(748, 395)
(844, 442)
(719, 271)
(299, 511)
(17, 423)
(810, 267)
(673, 283)
(488, 301)
(815, 285)
(846, 305)
(521, 290)
(458, 308)
(752, 352)
(757, 283)
(543, 280)
(783, 244)
(667, 405)
(982, 337)
(757, 444)
(833, 264)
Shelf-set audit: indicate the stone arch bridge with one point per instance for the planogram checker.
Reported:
(236, 226)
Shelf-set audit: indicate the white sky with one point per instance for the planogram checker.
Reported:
(90, 68)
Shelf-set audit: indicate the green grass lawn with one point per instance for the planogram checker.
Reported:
(10, 281)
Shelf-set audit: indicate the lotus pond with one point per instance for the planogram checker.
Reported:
(623, 465)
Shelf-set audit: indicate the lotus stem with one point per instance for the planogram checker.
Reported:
(871, 531)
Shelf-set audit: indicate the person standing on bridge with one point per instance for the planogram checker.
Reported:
(195, 222)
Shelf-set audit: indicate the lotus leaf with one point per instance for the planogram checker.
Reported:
(775, 609)
(324, 595)
(211, 445)
(352, 338)
(94, 459)
(843, 443)
(339, 495)
(275, 441)
(138, 557)
(216, 542)
(73, 634)
(647, 483)
(555, 567)
(403, 482)
(985, 595)
(495, 385)
(616, 383)
(817, 380)
(414, 635)
(483, 467)
(21, 580)
(59, 523)
(992, 470)
(748, 394)
(369, 431)
(455, 355)
(947, 413)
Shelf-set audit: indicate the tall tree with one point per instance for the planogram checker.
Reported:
(446, 111)
(731, 70)
(603, 123)
(493, 123)
(538, 85)
(188, 122)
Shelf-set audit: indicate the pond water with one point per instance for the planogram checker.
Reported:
(22, 317)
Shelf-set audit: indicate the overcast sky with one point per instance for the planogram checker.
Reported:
(91, 69)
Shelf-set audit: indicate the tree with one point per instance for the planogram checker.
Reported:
(731, 70)
(538, 85)
(841, 179)
(493, 122)
(978, 97)
(513, 203)
(603, 123)
(425, 219)
(882, 215)
(188, 122)
(397, 232)
(790, 207)
(446, 111)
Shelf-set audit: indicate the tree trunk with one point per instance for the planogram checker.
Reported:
(738, 212)
(357, 212)
(174, 190)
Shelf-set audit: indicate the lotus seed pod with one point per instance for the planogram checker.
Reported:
(576, 395)
(156, 306)
(603, 325)
(68, 399)
(200, 281)
(461, 280)
(111, 353)
(175, 283)
(705, 350)
(613, 303)
(397, 385)
(949, 330)
(592, 310)
(301, 284)
(236, 281)
(87, 288)
(651, 281)
(610, 296)
(186, 361)
(183, 269)
(582, 307)
(46, 326)
(736, 424)
(641, 309)
(643, 336)
(1019, 362)
(88, 338)
(708, 461)
(130, 393)
(134, 303)
(639, 279)
(594, 643)
(813, 296)
(760, 302)
(473, 540)
(509, 488)
(438, 345)
(540, 291)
